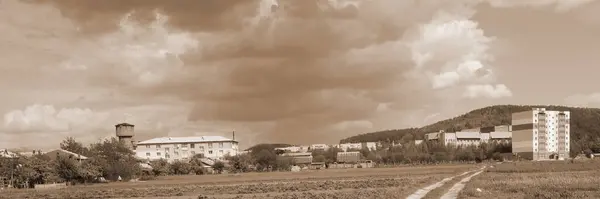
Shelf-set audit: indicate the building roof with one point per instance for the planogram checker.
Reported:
(124, 124)
(500, 135)
(468, 135)
(79, 156)
(196, 139)
(297, 154)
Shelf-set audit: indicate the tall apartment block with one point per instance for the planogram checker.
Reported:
(541, 134)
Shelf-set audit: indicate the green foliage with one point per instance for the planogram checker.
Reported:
(585, 128)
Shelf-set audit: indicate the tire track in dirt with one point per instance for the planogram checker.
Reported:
(423, 191)
(453, 192)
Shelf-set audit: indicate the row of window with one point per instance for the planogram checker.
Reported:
(177, 153)
(191, 145)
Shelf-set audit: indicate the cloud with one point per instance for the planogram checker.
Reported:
(487, 91)
(88, 125)
(558, 5)
(288, 71)
(46, 118)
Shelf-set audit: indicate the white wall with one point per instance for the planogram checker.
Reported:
(181, 151)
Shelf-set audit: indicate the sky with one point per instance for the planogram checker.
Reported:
(285, 71)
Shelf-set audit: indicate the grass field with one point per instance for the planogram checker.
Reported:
(558, 179)
(333, 183)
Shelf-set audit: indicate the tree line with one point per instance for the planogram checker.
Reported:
(112, 160)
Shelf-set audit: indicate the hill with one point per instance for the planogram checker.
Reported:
(585, 125)
(267, 146)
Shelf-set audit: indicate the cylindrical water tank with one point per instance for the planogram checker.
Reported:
(124, 130)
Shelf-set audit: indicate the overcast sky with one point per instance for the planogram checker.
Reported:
(299, 72)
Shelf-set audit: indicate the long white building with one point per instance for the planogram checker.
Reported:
(183, 148)
(466, 138)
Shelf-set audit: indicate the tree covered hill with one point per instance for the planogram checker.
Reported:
(585, 125)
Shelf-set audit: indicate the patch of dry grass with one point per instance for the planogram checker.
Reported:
(537, 180)
(349, 183)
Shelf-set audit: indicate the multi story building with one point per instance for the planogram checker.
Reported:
(319, 147)
(182, 148)
(293, 149)
(466, 138)
(541, 134)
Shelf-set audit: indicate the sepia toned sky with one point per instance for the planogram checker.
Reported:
(298, 72)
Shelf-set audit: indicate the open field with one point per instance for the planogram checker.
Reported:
(559, 179)
(333, 183)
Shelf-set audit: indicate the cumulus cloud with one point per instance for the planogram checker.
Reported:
(89, 125)
(286, 70)
(39, 117)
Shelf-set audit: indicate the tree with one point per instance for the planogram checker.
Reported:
(115, 159)
(180, 168)
(67, 169)
(70, 144)
(240, 163)
(89, 172)
(265, 158)
(160, 167)
(218, 166)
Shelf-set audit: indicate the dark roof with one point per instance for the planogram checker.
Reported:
(124, 124)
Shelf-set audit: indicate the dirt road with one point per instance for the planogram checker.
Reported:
(452, 193)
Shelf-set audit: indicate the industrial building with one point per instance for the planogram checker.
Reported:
(541, 134)
(472, 136)
(300, 158)
(294, 149)
(357, 146)
(182, 148)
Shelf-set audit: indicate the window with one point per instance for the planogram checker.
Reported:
(167, 149)
(210, 145)
(192, 145)
(193, 152)
(210, 152)
(147, 146)
(158, 146)
(221, 151)
(176, 153)
(167, 156)
(148, 154)
(201, 148)
(158, 154)
(183, 145)
(220, 144)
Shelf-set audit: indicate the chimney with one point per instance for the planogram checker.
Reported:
(233, 135)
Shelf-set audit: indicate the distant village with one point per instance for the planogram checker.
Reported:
(538, 134)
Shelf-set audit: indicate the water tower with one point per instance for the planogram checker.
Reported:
(125, 134)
